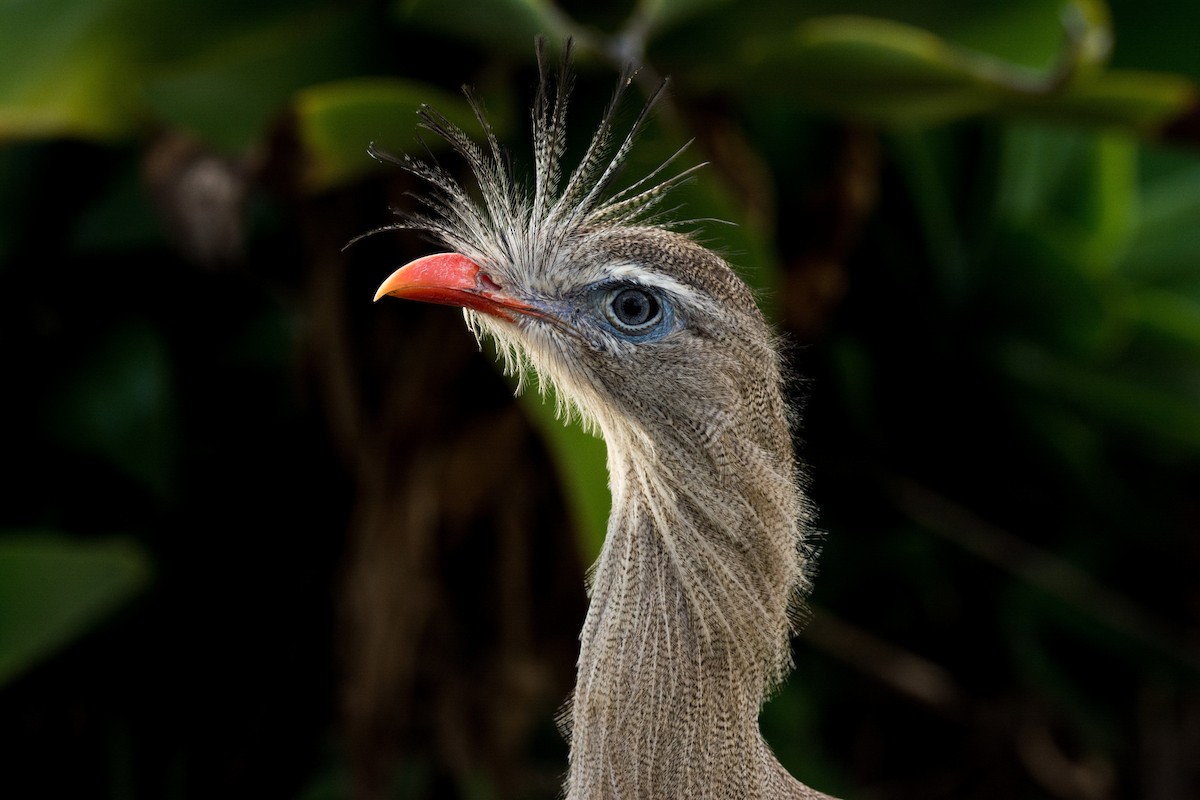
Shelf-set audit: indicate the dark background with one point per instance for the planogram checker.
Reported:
(261, 538)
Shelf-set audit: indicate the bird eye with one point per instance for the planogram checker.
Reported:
(632, 310)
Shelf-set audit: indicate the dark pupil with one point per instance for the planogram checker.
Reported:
(634, 307)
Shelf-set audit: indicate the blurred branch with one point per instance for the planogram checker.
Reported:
(905, 672)
(1086, 777)
(1045, 570)
(1030, 732)
(1168, 725)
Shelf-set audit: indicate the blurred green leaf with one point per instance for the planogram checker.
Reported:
(227, 93)
(1144, 405)
(1138, 101)
(895, 73)
(1164, 246)
(659, 14)
(1027, 33)
(1083, 249)
(53, 589)
(119, 405)
(506, 25)
(877, 69)
(1079, 190)
(66, 69)
(718, 40)
(1066, 208)
(336, 121)
(104, 68)
(1171, 317)
(582, 463)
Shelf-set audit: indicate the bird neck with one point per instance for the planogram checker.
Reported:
(689, 621)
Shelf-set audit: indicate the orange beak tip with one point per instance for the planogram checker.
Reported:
(452, 279)
(432, 278)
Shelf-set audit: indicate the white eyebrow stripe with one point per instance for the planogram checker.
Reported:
(656, 280)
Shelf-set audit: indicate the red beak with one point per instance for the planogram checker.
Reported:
(452, 280)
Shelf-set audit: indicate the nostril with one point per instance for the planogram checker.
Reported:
(486, 282)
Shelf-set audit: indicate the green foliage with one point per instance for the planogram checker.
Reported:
(580, 460)
(505, 26)
(230, 89)
(1071, 205)
(54, 589)
(65, 71)
(119, 405)
(334, 119)
(978, 221)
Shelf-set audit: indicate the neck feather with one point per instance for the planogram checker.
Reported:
(689, 621)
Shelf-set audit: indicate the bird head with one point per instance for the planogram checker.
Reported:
(642, 330)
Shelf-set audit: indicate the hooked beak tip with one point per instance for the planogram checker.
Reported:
(454, 280)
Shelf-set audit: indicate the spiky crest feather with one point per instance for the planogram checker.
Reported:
(507, 224)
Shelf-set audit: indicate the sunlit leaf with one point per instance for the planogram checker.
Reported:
(53, 589)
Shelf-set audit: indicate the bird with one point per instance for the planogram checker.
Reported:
(650, 339)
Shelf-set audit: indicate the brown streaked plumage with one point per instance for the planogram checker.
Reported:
(652, 340)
